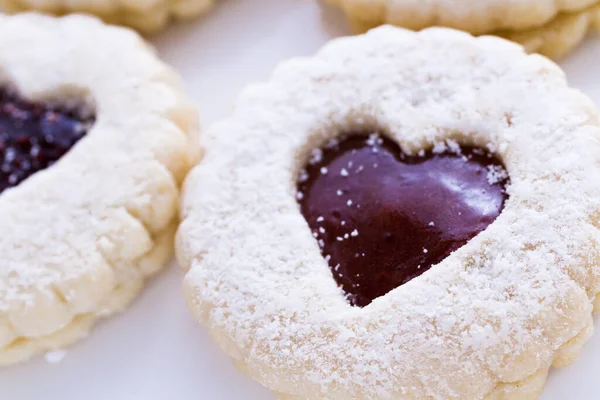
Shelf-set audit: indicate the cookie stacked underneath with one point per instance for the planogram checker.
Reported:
(552, 28)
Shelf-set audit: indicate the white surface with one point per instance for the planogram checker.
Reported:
(155, 350)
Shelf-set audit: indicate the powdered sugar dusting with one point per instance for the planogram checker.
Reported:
(496, 174)
(316, 156)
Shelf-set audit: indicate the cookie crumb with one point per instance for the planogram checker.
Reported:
(55, 356)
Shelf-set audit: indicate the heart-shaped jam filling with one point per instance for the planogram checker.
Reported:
(35, 135)
(382, 217)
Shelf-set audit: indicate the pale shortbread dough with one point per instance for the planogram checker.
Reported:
(78, 239)
(552, 28)
(146, 16)
(485, 323)
(559, 36)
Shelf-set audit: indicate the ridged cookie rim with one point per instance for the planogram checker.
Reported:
(144, 16)
(477, 17)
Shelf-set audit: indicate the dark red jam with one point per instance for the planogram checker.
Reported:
(34, 135)
(382, 217)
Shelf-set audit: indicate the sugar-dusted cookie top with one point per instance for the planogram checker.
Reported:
(494, 271)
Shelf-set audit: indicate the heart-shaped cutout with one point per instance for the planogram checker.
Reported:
(383, 218)
(34, 135)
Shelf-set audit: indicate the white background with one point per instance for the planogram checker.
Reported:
(155, 350)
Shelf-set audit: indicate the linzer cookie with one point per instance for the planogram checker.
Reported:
(552, 28)
(142, 15)
(404, 215)
(95, 136)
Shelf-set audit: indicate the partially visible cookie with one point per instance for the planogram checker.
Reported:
(550, 28)
(95, 137)
(146, 16)
(559, 36)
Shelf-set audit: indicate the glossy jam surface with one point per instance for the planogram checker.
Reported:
(383, 218)
(34, 135)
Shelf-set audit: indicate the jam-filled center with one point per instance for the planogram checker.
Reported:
(35, 135)
(382, 218)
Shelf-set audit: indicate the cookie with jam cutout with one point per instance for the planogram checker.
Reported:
(550, 28)
(405, 215)
(145, 16)
(95, 137)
